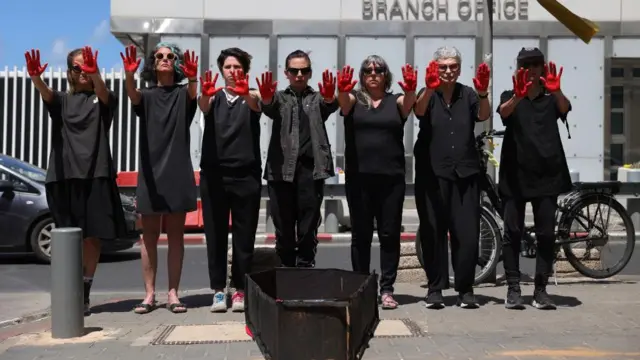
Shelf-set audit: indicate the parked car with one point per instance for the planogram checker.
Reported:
(25, 220)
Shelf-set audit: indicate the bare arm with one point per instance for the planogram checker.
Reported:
(253, 100)
(45, 91)
(563, 103)
(192, 88)
(100, 87)
(134, 93)
(421, 104)
(204, 103)
(507, 108)
(484, 108)
(346, 101)
(406, 102)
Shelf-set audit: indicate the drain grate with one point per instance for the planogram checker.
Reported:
(231, 332)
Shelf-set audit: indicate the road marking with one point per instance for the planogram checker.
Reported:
(573, 352)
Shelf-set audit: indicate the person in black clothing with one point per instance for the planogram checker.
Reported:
(81, 179)
(447, 170)
(533, 168)
(230, 171)
(299, 157)
(374, 121)
(166, 182)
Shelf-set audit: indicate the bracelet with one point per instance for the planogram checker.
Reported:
(193, 81)
(483, 96)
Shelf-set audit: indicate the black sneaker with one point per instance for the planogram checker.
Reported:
(514, 299)
(467, 300)
(87, 308)
(434, 300)
(542, 300)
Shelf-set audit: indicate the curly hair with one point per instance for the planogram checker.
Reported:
(149, 70)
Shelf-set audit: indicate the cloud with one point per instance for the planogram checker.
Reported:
(100, 32)
(59, 48)
(58, 54)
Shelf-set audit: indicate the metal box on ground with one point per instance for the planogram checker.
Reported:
(305, 314)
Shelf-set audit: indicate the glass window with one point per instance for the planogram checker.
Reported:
(18, 184)
(617, 72)
(616, 154)
(617, 123)
(636, 72)
(617, 97)
(613, 174)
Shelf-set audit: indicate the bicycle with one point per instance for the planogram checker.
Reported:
(582, 197)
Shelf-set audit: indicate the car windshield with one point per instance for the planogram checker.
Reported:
(32, 172)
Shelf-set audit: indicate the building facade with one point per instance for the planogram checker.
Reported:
(602, 78)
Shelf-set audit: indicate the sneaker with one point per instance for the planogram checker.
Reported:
(434, 300)
(219, 302)
(467, 300)
(542, 300)
(237, 301)
(514, 299)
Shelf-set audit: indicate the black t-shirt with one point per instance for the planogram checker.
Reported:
(374, 138)
(532, 160)
(446, 140)
(231, 136)
(80, 144)
(304, 148)
(166, 181)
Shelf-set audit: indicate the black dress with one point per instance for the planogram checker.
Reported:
(81, 179)
(166, 183)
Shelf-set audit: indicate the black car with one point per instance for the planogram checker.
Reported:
(25, 220)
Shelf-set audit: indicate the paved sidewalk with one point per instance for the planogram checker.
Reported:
(594, 320)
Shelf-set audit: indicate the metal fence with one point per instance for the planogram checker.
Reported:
(25, 131)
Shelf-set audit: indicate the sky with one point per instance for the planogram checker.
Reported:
(56, 27)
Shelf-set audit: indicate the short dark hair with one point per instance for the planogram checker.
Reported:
(298, 54)
(242, 56)
(148, 72)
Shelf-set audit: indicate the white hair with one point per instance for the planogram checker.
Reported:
(448, 52)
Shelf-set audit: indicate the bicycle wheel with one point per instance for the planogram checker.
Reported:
(587, 223)
(490, 246)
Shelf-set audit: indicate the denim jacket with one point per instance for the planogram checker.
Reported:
(283, 147)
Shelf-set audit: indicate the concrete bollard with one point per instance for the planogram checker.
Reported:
(67, 297)
(331, 223)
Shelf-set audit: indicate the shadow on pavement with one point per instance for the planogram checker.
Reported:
(560, 300)
(29, 259)
(121, 306)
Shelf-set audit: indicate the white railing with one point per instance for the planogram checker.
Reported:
(25, 131)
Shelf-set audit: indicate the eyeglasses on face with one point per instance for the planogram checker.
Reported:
(168, 56)
(377, 70)
(451, 67)
(296, 71)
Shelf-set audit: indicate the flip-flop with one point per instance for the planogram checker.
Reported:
(143, 308)
(177, 308)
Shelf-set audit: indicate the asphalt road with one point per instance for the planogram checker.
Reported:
(122, 272)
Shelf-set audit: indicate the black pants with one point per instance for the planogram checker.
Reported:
(295, 207)
(239, 193)
(544, 217)
(451, 206)
(379, 197)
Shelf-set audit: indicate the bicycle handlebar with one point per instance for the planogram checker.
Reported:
(489, 134)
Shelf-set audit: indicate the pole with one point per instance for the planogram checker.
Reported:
(67, 297)
(487, 51)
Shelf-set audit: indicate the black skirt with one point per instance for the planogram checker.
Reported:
(93, 205)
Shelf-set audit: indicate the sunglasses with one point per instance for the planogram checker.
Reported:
(76, 68)
(452, 67)
(169, 56)
(296, 71)
(378, 71)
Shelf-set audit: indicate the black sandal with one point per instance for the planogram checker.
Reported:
(143, 308)
(177, 308)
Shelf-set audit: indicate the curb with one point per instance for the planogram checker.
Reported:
(199, 239)
(39, 315)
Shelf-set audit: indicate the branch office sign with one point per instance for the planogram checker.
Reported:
(439, 10)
